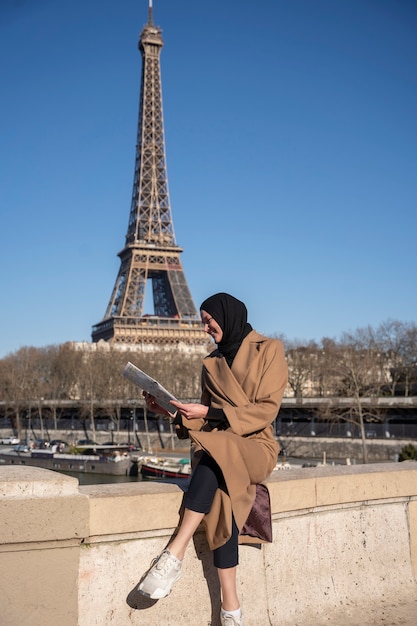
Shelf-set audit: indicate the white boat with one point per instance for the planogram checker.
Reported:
(105, 460)
(165, 467)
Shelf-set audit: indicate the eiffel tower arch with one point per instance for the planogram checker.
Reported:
(151, 255)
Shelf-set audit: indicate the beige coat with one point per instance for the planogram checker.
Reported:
(250, 394)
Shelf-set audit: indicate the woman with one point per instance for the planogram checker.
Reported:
(243, 382)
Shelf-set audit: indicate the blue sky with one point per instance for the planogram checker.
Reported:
(291, 135)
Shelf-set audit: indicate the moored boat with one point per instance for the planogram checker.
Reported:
(165, 468)
(114, 462)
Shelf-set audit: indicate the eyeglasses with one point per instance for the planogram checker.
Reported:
(207, 322)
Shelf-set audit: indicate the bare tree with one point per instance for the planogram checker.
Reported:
(115, 388)
(93, 385)
(302, 367)
(23, 382)
(398, 340)
(356, 365)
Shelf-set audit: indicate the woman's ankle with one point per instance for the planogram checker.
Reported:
(176, 551)
(235, 612)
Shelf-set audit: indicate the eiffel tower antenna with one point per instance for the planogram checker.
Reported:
(151, 254)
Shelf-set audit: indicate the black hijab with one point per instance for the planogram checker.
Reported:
(231, 315)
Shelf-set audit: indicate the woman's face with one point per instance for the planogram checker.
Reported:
(211, 326)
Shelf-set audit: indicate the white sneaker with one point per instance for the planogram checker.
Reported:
(165, 570)
(231, 620)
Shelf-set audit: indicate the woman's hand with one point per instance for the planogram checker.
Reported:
(191, 410)
(153, 406)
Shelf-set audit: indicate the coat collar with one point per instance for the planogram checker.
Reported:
(245, 357)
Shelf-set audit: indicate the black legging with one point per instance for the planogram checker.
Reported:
(205, 480)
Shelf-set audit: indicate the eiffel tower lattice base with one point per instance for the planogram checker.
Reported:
(175, 321)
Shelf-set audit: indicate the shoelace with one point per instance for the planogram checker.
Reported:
(163, 565)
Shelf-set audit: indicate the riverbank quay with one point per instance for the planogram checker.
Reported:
(344, 551)
(380, 450)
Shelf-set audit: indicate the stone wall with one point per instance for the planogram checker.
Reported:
(344, 551)
(340, 449)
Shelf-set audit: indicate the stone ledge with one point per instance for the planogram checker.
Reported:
(131, 507)
(39, 506)
(145, 506)
(336, 485)
(24, 481)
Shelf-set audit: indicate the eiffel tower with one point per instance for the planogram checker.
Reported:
(151, 253)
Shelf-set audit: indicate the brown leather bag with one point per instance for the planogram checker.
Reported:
(259, 522)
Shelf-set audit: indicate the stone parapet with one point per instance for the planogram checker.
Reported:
(43, 520)
(344, 551)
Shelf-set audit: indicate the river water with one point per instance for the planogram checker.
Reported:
(102, 479)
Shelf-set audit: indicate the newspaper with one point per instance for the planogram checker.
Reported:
(150, 385)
